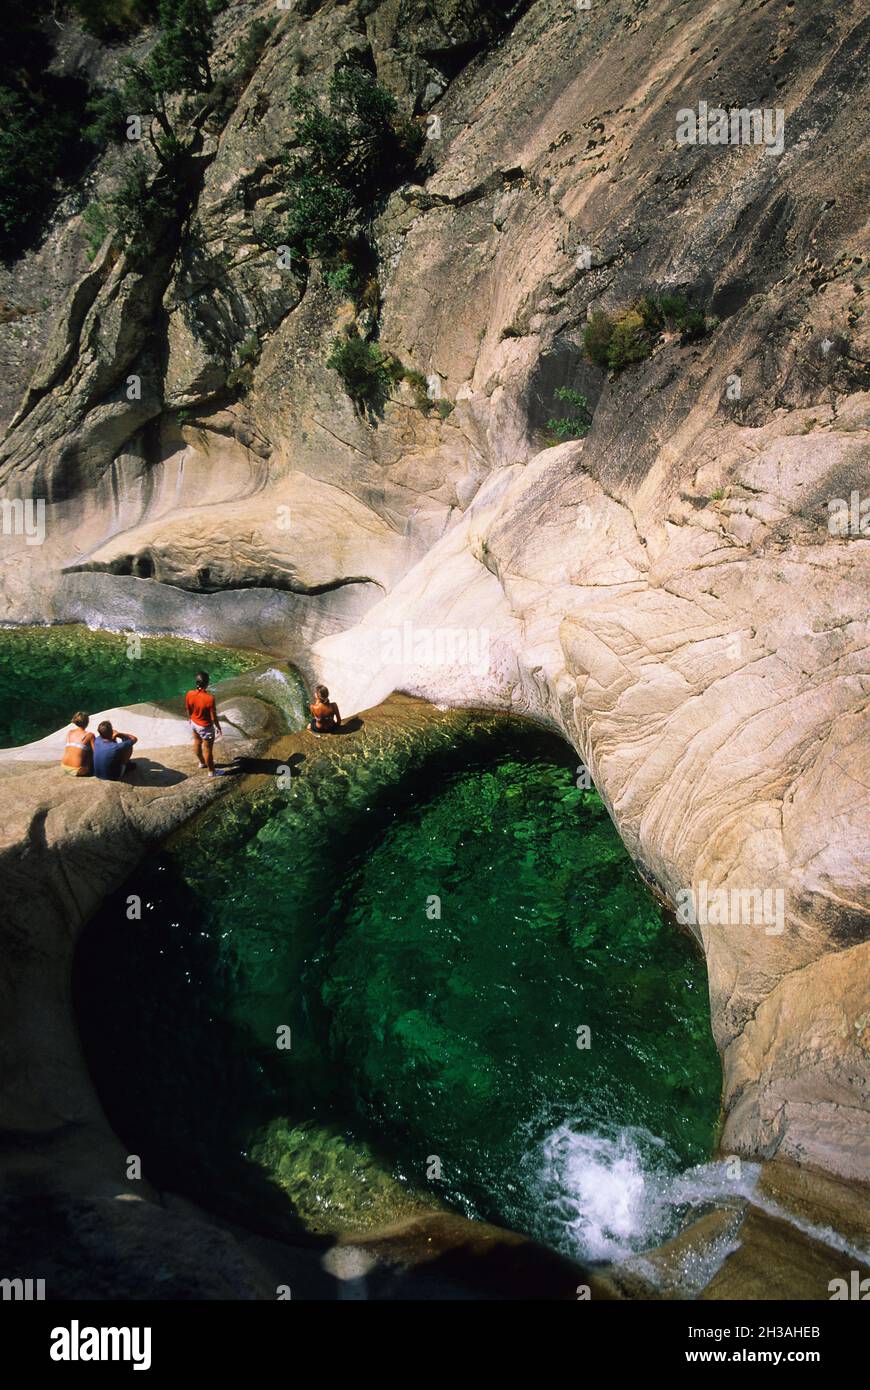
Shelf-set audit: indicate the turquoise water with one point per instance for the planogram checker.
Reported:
(47, 673)
(433, 927)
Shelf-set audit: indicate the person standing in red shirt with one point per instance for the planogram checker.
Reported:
(204, 723)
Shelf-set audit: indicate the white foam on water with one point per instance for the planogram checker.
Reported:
(613, 1193)
(605, 1195)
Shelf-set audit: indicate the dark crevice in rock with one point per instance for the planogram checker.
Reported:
(144, 566)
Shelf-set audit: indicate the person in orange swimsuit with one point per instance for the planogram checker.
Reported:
(204, 723)
(78, 754)
(325, 716)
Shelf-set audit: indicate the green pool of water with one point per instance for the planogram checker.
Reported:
(438, 928)
(47, 673)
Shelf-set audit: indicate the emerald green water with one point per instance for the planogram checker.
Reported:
(433, 924)
(47, 673)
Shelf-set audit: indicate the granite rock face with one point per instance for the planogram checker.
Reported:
(671, 592)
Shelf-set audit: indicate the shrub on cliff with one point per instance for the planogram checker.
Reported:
(98, 222)
(142, 207)
(617, 341)
(596, 338)
(178, 63)
(323, 218)
(630, 341)
(149, 204)
(351, 152)
(361, 140)
(33, 139)
(696, 325)
(366, 372)
(576, 425)
(650, 310)
(614, 342)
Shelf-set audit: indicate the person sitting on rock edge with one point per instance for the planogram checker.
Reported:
(112, 752)
(77, 757)
(325, 716)
(204, 723)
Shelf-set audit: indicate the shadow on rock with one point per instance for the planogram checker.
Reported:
(269, 766)
(144, 772)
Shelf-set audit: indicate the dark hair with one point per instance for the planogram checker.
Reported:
(105, 729)
(81, 719)
(201, 680)
(321, 692)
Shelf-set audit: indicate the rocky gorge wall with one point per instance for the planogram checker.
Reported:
(666, 592)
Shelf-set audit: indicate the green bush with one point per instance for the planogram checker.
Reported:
(678, 315)
(250, 349)
(651, 313)
(420, 386)
(366, 372)
(597, 336)
(574, 426)
(98, 223)
(343, 279)
(33, 139)
(630, 341)
(178, 63)
(615, 342)
(143, 207)
(351, 153)
(695, 325)
(324, 218)
(149, 205)
(673, 309)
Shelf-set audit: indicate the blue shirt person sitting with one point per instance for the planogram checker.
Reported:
(112, 752)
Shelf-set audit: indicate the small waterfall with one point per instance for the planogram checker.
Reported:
(609, 1195)
(179, 479)
(286, 689)
(606, 1195)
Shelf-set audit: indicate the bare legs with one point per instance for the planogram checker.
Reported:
(204, 745)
